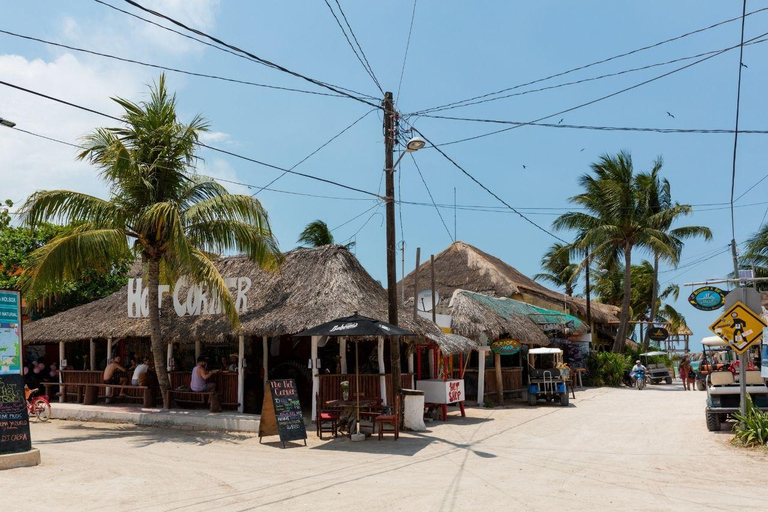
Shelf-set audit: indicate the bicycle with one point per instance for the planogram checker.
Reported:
(38, 406)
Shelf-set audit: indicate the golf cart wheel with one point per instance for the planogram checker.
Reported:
(713, 422)
(564, 399)
(531, 398)
(668, 380)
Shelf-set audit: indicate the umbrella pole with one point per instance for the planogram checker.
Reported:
(357, 384)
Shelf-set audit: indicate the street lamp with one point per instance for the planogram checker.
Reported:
(413, 145)
(5, 122)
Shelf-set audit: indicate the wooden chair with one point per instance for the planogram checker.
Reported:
(374, 411)
(325, 417)
(389, 419)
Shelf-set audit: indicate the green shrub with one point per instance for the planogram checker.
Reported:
(488, 403)
(606, 369)
(752, 428)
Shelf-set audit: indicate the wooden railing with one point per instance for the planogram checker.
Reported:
(512, 380)
(226, 385)
(73, 377)
(370, 387)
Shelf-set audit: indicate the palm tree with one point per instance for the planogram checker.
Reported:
(615, 223)
(317, 234)
(560, 271)
(756, 255)
(657, 198)
(174, 218)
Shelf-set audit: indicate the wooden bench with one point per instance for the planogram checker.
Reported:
(92, 393)
(194, 397)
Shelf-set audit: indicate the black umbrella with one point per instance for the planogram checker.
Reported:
(356, 325)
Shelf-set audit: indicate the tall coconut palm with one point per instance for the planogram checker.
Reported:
(158, 207)
(615, 223)
(317, 234)
(656, 198)
(560, 271)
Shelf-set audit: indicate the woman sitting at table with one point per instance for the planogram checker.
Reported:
(200, 376)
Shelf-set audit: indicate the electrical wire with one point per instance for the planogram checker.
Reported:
(166, 68)
(315, 151)
(432, 198)
(200, 144)
(601, 98)
(585, 80)
(355, 217)
(736, 129)
(405, 57)
(695, 266)
(349, 42)
(261, 60)
(602, 61)
(466, 173)
(359, 47)
(750, 188)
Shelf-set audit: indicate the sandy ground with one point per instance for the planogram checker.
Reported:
(611, 450)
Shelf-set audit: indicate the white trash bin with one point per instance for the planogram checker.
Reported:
(413, 410)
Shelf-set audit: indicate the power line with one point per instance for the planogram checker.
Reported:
(359, 47)
(736, 129)
(439, 150)
(602, 61)
(694, 266)
(750, 188)
(354, 50)
(602, 98)
(405, 57)
(201, 144)
(432, 199)
(316, 151)
(583, 80)
(253, 56)
(356, 217)
(167, 68)
(597, 128)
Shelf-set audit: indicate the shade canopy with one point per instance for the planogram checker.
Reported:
(356, 325)
(654, 353)
(544, 350)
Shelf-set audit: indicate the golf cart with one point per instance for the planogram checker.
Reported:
(657, 371)
(715, 356)
(723, 392)
(547, 376)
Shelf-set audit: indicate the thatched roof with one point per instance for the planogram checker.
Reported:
(453, 343)
(473, 315)
(312, 287)
(465, 267)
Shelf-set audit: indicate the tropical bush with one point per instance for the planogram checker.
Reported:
(606, 369)
(752, 428)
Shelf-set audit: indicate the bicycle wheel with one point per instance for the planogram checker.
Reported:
(42, 409)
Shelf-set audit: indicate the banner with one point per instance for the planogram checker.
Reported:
(10, 332)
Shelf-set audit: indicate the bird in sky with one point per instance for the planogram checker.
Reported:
(582, 149)
(745, 65)
(561, 120)
(670, 115)
(523, 166)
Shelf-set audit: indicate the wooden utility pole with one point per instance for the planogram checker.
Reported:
(416, 285)
(389, 162)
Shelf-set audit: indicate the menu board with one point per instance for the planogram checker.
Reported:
(10, 332)
(14, 422)
(281, 412)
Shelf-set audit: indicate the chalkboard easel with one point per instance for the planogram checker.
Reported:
(281, 412)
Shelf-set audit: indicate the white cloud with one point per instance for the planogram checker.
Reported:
(214, 137)
(222, 170)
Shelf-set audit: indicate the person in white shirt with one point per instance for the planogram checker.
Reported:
(139, 371)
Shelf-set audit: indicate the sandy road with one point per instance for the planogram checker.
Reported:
(612, 449)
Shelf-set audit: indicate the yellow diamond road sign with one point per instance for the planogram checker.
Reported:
(740, 327)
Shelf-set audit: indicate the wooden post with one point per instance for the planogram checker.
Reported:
(416, 285)
(480, 377)
(169, 357)
(418, 362)
(315, 375)
(61, 367)
(431, 359)
(109, 350)
(240, 374)
(499, 380)
(198, 349)
(410, 370)
(92, 354)
(343, 354)
(265, 361)
(383, 370)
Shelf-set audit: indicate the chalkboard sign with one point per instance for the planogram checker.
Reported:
(281, 412)
(14, 422)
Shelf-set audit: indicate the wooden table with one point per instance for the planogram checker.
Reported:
(348, 414)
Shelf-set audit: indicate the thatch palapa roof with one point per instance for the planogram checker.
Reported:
(465, 267)
(312, 287)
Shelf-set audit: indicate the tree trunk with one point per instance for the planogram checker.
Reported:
(159, 350)
(589, 302)
(654, 301)
(499, 380)
(621, 336)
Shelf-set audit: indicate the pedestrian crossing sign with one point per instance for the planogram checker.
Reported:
(740, 327)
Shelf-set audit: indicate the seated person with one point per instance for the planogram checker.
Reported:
(110, 371)
(224, 364)
(232, 363)
(200, 376)
(139, 372)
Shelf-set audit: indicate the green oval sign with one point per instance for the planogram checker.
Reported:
(707, 298)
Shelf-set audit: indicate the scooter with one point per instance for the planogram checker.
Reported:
(640, 380)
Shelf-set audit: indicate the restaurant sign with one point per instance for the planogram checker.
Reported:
(10, 332)
(188, 299)
(707, 298)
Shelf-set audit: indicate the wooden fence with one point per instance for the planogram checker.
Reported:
(370, 387)
(226, 385)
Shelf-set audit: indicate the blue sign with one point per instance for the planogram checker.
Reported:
(707, 298)
(10, 333)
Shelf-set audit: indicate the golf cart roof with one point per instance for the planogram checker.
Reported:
(545, 350)
(713, 341)
(654, 353)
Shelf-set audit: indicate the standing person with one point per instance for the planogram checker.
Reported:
(200, 376)
(683, 369)
(139, 372)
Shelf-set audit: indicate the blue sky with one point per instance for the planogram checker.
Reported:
(457, 50)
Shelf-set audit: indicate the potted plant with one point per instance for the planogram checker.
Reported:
(345, 390)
